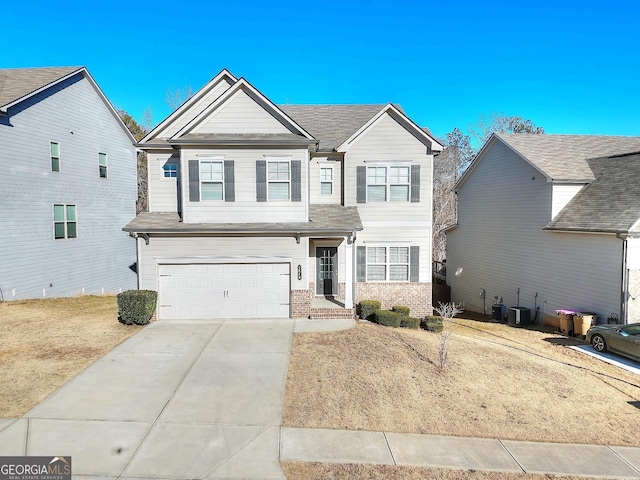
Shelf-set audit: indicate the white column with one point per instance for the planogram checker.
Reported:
(348, 280)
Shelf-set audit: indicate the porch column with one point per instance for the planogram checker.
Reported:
(348, 280)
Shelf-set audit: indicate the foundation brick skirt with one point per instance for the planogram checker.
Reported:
(416, 296)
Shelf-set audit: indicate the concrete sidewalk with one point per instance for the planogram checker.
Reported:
(341, 446)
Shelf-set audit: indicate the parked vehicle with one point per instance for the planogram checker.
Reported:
(620, 339)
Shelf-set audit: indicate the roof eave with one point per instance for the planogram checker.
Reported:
(236, 142)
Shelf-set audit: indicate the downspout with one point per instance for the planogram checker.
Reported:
(625, 281)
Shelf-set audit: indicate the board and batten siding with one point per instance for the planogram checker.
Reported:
(162, 192)
(316, 164)
(203, 249)
(562, 194)
(245, 208)
(499, 246)
(101, 258)
(240, 114)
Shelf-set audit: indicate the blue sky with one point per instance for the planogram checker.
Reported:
(569, 66)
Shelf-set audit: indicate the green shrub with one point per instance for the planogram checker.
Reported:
(432, 324)
(136, 306)
(368, 308)
(410, 322)
(388, 318)
(401, 309)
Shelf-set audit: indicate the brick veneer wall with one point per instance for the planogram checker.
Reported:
(300, 303)
(341, 291)
(416, 296)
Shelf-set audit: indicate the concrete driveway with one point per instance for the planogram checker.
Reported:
(177, 400)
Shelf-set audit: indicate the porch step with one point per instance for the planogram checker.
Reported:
(330, 313)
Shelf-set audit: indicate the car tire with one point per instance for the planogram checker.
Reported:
(598, 343)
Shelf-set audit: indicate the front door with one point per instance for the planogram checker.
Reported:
(327, 271)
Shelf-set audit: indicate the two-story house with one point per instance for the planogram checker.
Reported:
(68, 182)
(259, 210)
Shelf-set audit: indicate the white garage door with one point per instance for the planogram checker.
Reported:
(193, 291)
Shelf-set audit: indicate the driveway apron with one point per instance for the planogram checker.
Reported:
(188, 399)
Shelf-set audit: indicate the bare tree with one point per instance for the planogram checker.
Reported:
(138, 132)
(500, 123)
(447, 311)
(175, 98)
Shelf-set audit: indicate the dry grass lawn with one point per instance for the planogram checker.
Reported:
(47, 342)
(500, 382)
(330, 471)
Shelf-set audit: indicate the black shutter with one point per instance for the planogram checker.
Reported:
(414, 264)
(229, 181)
(415, 183)
(361, 184)
(296, 188)
(261, 180)
(361, 264)
(194, 181)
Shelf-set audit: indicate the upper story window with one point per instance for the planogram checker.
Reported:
(326, 180)
(388, 183)
(211, 180)
(102, 164)
(54, 151)
(390, 264)
(64, 221)
(278, 180)
(170, 170)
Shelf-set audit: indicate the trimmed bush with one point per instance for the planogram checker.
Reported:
(368, 308)
(432, 324)
(136, 306)
(410, 322)
(388, 318)
(401, 309)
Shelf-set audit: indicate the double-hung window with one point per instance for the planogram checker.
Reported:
(387, 264)
(54, 153)
(211, 180)
(278, 180)
(170, 170)
(65, 221)
(388, 183)
(326, 181)
(102, 164)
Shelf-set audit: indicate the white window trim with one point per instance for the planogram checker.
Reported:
(210, 159)
(106, 165)
(388, 184)
(279, 160)
(329, 167)
(162, 172)
(65, 221)
(388, 263)
(51, 157)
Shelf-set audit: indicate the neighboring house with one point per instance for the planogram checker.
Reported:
(67, 185)
(259, 210)
(546, 225)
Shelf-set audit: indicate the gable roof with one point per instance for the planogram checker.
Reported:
(331, 125)
(611, 203)
(560, 158)
(19, 84)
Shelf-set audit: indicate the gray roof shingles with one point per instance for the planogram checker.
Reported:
(16, 83)
(564, 157)
(324, 218)
(611, 203)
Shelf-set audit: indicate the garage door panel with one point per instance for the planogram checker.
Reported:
(224, 290)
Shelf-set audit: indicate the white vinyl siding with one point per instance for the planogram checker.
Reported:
(162, 187)
(211, 180)
(100, 257)
(500, 246)
(562, 195)
(318, 169)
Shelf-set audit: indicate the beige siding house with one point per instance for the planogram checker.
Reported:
(549, 222)
(260, 210)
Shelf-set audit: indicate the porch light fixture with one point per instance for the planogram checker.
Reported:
(299, 272)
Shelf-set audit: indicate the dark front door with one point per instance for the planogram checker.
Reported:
(327, 271)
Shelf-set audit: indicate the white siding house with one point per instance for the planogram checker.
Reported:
(259, 210)
(545, 225)
(67, 187)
